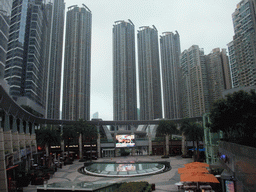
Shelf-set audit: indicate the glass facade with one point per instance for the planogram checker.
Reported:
(28, 49)
(5, 14)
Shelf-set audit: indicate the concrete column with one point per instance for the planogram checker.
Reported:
(33, 139)
(7, 135)
(14, 125)
(115, 141)
(80, 146)
(27, 139)
(27, 134)
(6, 123)
(21, 126)
(33, 129)
(21, 137)
(98, 141)
(15, 135)
(184, 148)
(27, 128)
(116, 151)
(133, 151)
(8, 141)
(167, 144)
(3, 176)
(150, 144)
(62, 145)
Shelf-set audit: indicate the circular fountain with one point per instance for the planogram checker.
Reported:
(124, 169)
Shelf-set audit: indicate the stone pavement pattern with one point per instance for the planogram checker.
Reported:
(164, 182)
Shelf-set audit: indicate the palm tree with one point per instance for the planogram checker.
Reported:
(166, 128)
(80, 127)
(69, 133)
(184, 124)
(194, 132)
(47, 137)
(87, 132)
(91, 134)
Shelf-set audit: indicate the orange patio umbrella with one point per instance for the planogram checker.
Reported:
(185, 170)
(196, 164)
(198, 177)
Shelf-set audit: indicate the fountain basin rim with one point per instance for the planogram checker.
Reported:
(127, 175)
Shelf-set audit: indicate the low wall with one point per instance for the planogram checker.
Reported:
(241, 160)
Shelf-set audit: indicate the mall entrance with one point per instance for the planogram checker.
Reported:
(108, 153)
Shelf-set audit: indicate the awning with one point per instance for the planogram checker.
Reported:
(198, 177)
(192, 170)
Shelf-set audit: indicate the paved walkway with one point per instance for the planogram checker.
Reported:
(164, 182)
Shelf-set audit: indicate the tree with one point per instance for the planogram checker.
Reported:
(91, 134)
(47, 137)
(235, 115)
(69, 133)
(87, 132)
(184, 124)
(193, 132)
(166, 128)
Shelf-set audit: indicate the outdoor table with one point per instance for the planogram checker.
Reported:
(179, 185)
(190, 187)
(205, 187)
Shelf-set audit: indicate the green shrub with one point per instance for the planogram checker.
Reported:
(133, 187)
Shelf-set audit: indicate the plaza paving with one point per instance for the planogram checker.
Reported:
(163, 182)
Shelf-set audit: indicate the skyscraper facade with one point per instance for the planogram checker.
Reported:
(170, 61)
(194, 89)
(243, 47)
(124, 71)
(149, 74)
(218, 73)
(77, 64)
(26, 61)
(5, 15)
(55, 61)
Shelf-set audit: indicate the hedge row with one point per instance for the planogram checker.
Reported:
(134, 187)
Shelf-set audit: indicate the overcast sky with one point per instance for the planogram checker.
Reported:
(207, 23)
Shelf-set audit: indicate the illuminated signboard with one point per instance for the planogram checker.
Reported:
(125, 141)
(230, 187)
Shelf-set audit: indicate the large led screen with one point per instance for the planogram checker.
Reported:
(125, 141)
(125, 167)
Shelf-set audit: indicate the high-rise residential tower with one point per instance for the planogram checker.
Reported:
(149, 74)
(243, 47)
(28, 51)
(55, 61)
(5, 15)
(194, 84)
(77, 64)
(124, 71)
(218, 73)
(170, 61)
